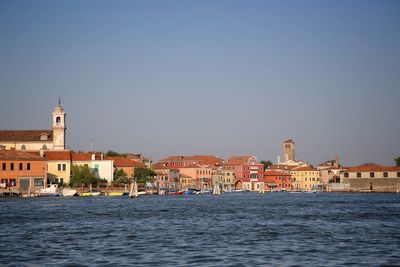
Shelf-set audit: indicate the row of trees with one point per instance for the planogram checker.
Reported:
(84, 175)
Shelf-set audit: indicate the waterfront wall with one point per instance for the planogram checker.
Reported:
(378, 184)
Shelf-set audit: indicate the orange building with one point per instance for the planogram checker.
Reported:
(22, 172)
(277, 180)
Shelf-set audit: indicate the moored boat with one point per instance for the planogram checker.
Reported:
(115, 194)
(85, 194)
(67, 192)
(51, 190)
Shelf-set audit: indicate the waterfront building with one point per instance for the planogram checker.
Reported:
(139, 158)
(228, 177)
(127, 165)
(22, 172)
(305, 178)
(167, 178)
(249, 173)
(101, 167)
(217, 174)
(201, 175)
(370, 176)
(277, 180)
(58, 166)
(35, 140)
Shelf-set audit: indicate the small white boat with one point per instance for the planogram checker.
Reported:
(67, 192)
(96, 193)
(51, 190)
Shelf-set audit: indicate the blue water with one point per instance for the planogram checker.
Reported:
(237, 229)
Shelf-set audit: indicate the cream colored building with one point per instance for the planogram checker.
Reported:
(102, 168)
(58, 166)
(35, 140)
(305, 178)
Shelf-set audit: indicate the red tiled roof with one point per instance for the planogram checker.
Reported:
(304, 169)
(85, 156)
(238, 160)
(24, 135)
(124, 162)
(57, 155)
(372, 167)
(12, 154)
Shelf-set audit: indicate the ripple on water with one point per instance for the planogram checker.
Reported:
(229, 230)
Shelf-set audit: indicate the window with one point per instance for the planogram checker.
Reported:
(346, 175)
(372, 174)
(358, 174)
(58, 120)
(23, 147)
(313, 179)
(58, 167)
(21, 166)
(11, 166)
(398, 174)
(28, 166)
(44, 147)
(64, 167)
(305, 179)
(13, 182)
(38, 182)
(385, 174)
(4, 167)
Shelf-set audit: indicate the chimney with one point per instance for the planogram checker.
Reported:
(41, 153)
(101, 156)
(93, 156)
(278, 160)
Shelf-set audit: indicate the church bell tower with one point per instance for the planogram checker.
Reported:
(59, 127)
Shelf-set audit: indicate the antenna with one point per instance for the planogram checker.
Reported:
(59, 101)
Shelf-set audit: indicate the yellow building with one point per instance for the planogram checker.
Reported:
(305, 178)
(58, 166)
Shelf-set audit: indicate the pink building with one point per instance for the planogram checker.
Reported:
(249, 173)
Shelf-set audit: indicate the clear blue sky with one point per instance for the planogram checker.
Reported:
(207, 77)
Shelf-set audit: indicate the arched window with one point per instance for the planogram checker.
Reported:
(44, 147)
(385, 175)
(372, 174)
(58, 120)
(346, 175)
(23, 147)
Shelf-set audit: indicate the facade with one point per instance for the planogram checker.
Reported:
(102, 168)
(277, 180)
(58, 166)
(249, 173)
(371, 176)
(167, 178)
(22, 172)
(201, 175)
(35, 140)
(305, 178)
(183, 161)
(228, 180)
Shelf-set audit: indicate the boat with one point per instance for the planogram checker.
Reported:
(85, 194)
(51, 190)
(67, 192)
(96, 193)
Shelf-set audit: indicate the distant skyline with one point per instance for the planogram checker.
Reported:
(207, 77)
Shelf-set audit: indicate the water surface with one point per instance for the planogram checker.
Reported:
(237, 229)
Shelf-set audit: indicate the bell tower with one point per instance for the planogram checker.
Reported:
(59, 127)
(289, 150)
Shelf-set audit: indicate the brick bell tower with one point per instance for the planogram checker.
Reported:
(289, 151)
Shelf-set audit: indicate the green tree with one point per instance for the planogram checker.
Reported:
(397, 160)
(143, 175)
(120, 176)
(266, 163)
(111, 153)
(83, 175)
